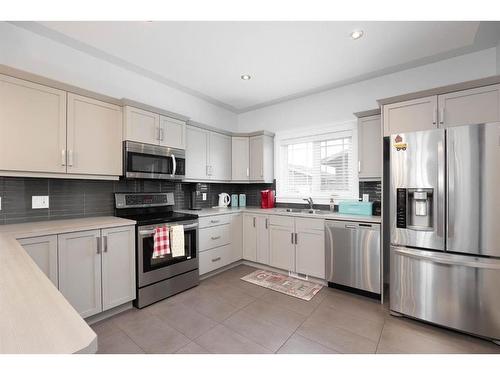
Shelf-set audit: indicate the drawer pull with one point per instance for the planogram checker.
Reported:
(216, 259)
(214, 221)
(215, 238)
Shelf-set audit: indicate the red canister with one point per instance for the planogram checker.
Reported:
(267, 199)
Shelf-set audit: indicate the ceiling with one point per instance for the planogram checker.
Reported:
(285, 59)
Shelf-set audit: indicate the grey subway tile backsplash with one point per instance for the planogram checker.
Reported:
(71, 198)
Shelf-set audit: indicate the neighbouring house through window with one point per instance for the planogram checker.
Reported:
(317, 166)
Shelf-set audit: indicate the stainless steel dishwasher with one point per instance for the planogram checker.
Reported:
(353, 254)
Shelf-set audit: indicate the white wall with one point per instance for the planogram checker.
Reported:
(31, 52)
(338, 105)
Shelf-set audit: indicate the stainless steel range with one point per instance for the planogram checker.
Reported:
(445, 227)
(159, 278)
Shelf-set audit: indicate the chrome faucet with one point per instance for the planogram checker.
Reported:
(310, 201)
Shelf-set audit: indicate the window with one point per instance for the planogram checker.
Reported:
(316, 166)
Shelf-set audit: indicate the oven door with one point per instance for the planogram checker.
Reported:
(156, 162)
(149, 270)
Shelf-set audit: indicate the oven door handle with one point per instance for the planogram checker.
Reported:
(152, 231)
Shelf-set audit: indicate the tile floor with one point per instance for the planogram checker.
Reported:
(226, 315)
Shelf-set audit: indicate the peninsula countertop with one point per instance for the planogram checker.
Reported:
(34, 316)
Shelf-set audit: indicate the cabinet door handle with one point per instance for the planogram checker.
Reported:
(441, 116)
(359, 166)
(296, 238)
(63, 157)
(434, 117)
(267, 223)
(291, 237)
(254, 222)
(98, 244)
(70, 158)
(215, 238)
(158, 136)
(214, 221)
(105, 240)
(216, 259)
(248, 172)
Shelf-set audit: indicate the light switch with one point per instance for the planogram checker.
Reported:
(366, 197)
(39, 201)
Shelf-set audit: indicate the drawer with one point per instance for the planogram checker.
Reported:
(210, 221)
(213, 259)
(214, 237)
(309, 224)
(281, 221)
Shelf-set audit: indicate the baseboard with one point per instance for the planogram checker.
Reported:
(109, 313)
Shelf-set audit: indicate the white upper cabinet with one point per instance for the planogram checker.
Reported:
(219, 157)
(43, 250)
(118, 266)
(197, 153)
(32, 127)
(262, 158)
(149, 127)
(411, 115)
(370, 147)
(141, 126)
(208, 155)
(240, 158)
(472, 106)
(172, 132)
(94, 143)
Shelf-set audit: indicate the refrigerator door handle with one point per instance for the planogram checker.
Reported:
(450, 197)
(440, 217)
(449, 259)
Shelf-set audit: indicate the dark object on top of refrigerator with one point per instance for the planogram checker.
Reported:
(377, 208)
(445, 265)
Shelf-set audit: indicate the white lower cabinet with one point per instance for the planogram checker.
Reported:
(297, 245)
(96, 268)
(236, 237)
(80, 271)
(220, 241)
(310, 247)
(43, 250)
(118, 266)
(256, 238)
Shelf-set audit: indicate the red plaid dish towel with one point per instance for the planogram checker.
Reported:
(161, 242)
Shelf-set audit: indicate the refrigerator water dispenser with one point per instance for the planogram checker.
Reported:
(414, 208)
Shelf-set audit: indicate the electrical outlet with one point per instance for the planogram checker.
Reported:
(204, 196)
(39, 201)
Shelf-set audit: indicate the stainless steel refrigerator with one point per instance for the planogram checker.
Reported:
(445, 227)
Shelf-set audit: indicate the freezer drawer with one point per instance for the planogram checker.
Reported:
(455, 291)
(353, 254)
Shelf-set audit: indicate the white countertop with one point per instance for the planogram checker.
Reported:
(281, 211)
(34, 315)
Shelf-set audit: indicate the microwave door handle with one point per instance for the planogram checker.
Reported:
(174, 165)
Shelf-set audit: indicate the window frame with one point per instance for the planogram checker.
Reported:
(304, 135)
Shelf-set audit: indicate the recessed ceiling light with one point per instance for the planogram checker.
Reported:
(246, 77)
(356, 34)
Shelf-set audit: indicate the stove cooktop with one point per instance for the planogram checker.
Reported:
(158, 217)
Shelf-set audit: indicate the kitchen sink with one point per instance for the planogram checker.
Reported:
(305, 211)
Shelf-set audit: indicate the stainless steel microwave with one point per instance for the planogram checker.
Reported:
(147, 161)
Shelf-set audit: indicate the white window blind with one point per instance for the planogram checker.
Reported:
(316, 166)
